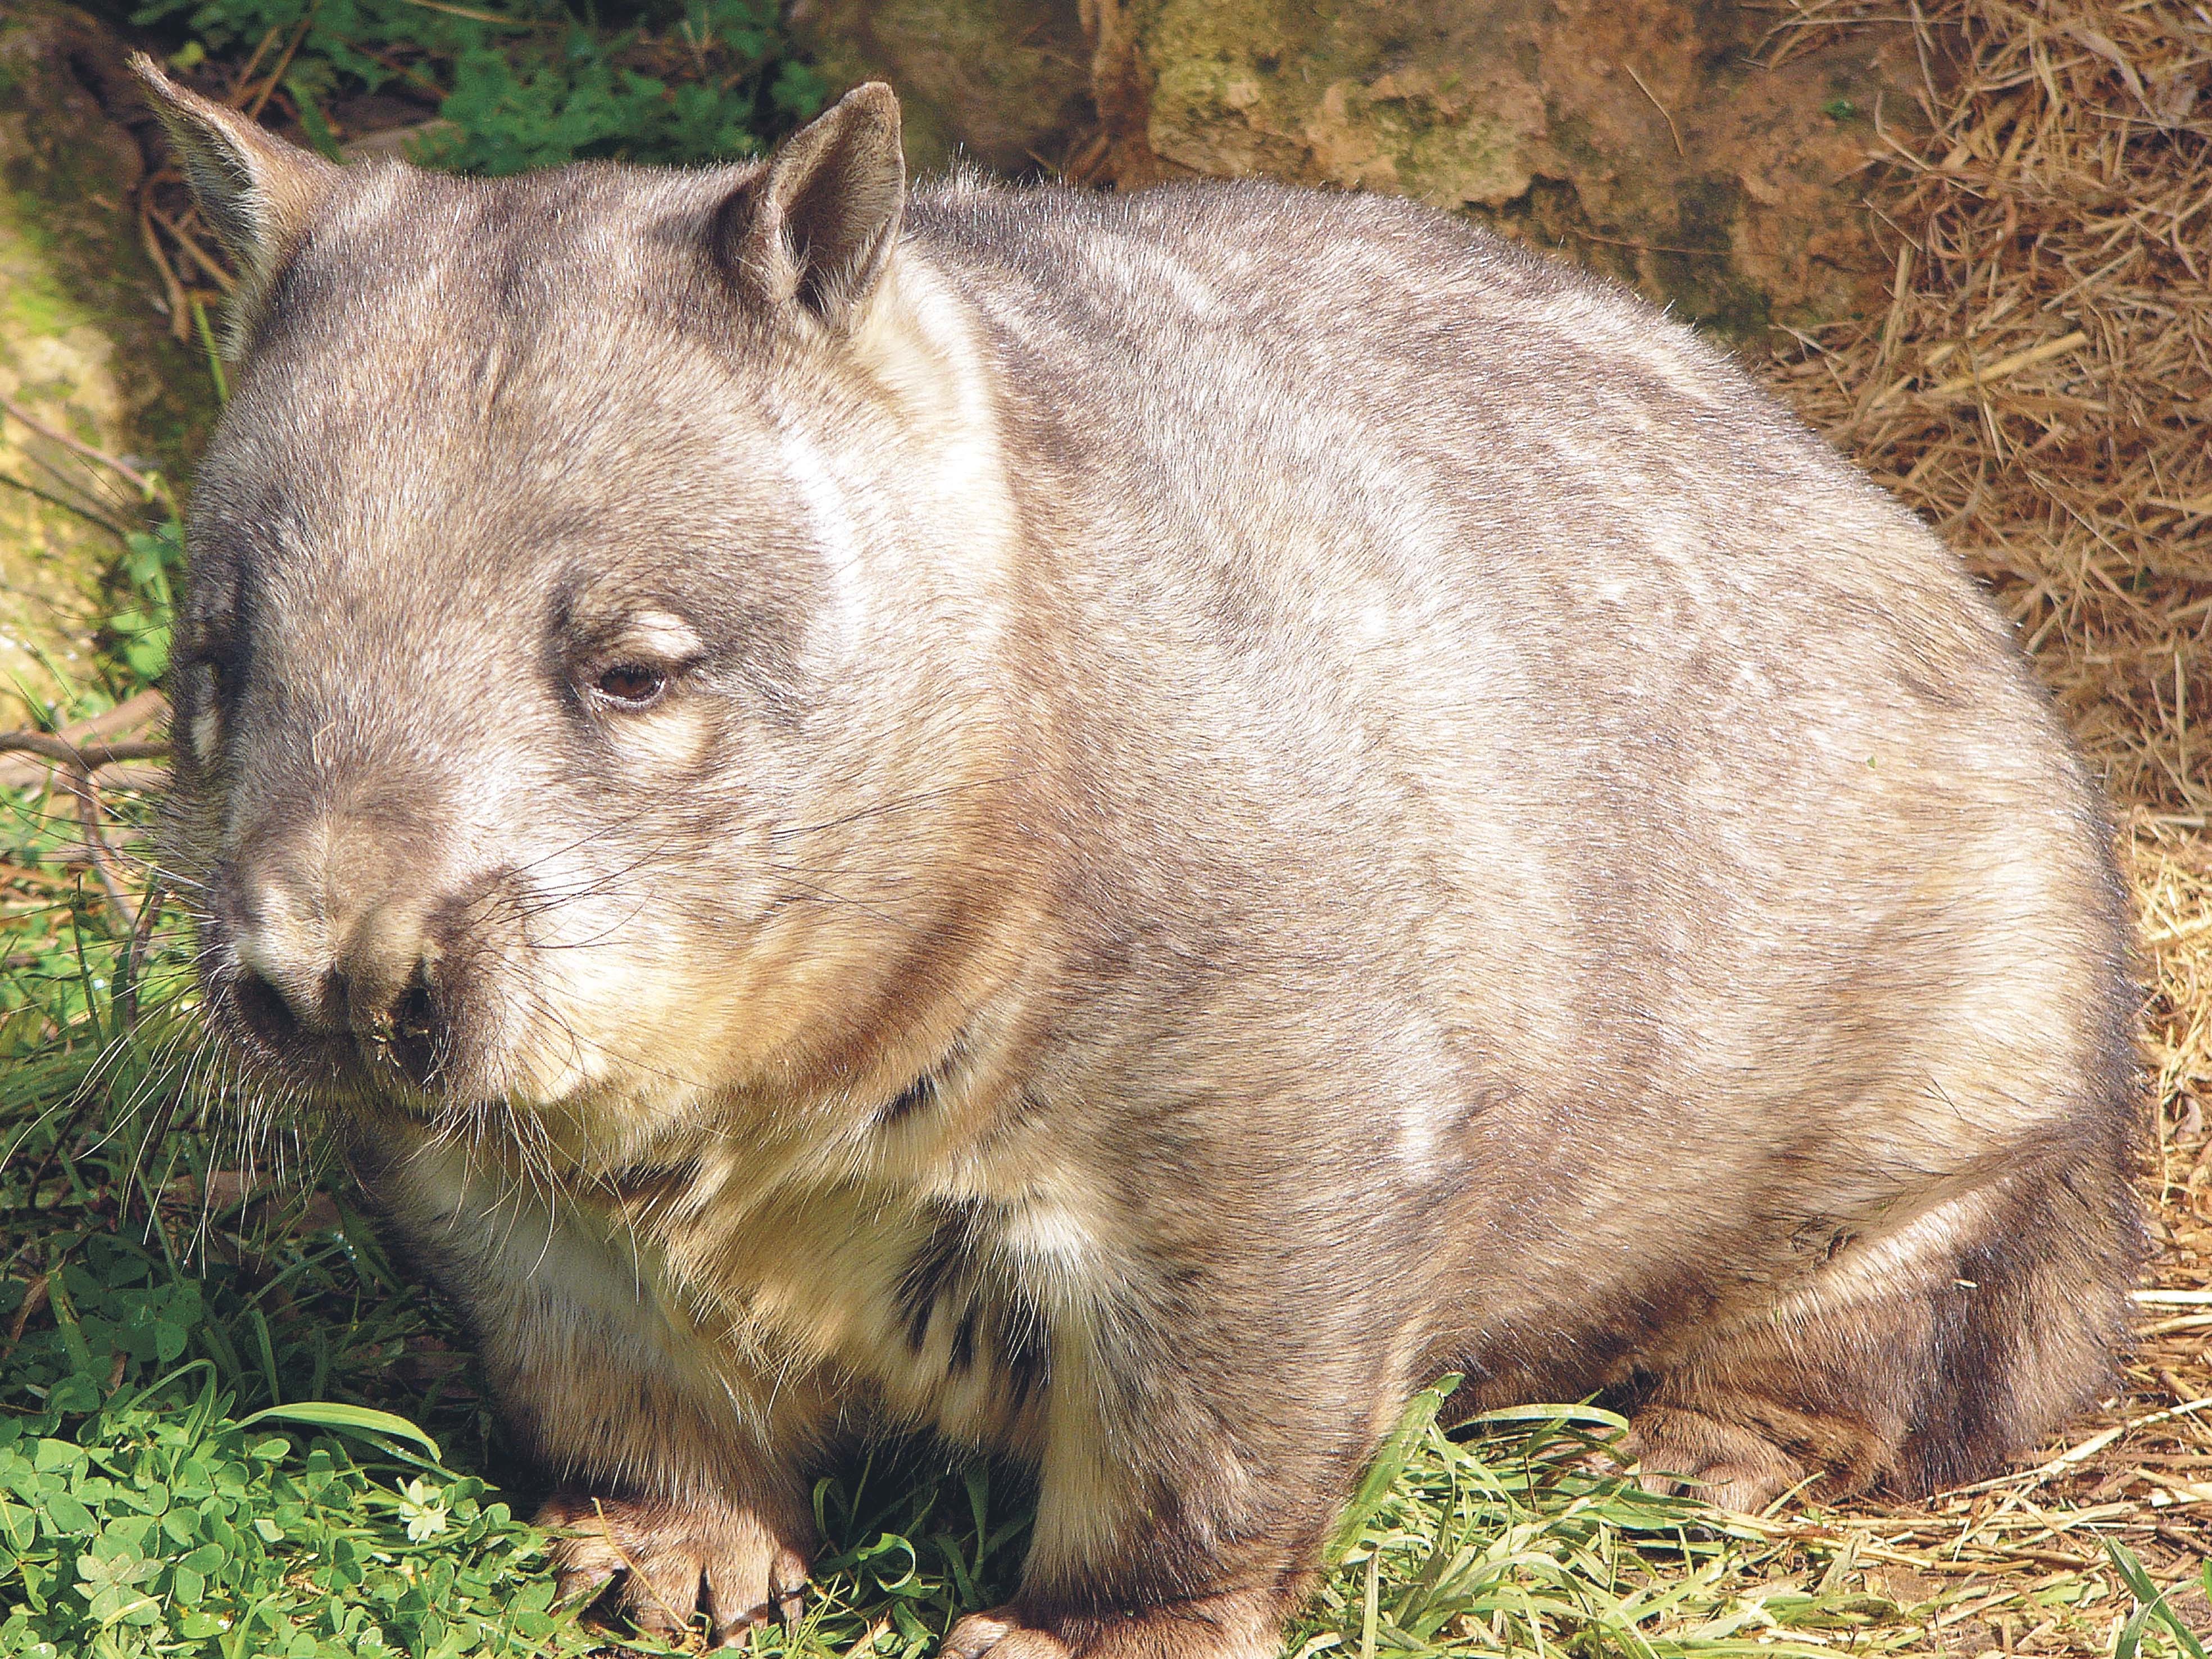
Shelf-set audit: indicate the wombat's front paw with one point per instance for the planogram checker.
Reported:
(668, 1563)
(1237, 1625)
(1001, 1634)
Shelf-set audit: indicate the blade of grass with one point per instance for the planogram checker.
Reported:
(1413, 1426)
(347, 1419)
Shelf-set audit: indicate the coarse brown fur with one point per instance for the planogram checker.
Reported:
(1121, 827)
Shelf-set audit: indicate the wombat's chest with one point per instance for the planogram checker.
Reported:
(935, 1304)
(939, 1306)
(959, 1314)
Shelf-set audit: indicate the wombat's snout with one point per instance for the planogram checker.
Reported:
(340, 964)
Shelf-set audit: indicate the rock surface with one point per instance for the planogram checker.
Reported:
(1648, 138)
(82, 349)
(1643, 138)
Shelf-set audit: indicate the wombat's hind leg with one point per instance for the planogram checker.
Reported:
(1725, 1464)
(665, 1563)
(1914, 1360)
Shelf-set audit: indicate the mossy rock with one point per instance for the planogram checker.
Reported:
(84, 349)
(1644, 138)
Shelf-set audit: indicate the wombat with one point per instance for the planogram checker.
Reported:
(1121, 828)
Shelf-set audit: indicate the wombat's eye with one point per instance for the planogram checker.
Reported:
(631, 685)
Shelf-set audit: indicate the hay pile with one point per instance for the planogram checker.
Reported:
(2040, 389)
(2041, 386)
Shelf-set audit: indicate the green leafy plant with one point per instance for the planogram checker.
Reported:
(2153, 1609)
(520, 83)
(138, 630)
(148, 1525)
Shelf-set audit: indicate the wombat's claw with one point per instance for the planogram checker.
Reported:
(1232, 1626)
(1001, 1635)
(666, 1564)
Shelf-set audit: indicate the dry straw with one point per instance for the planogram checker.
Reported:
(2040, 386)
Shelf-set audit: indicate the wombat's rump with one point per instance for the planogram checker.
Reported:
(1124, 827)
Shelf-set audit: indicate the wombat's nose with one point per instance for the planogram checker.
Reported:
(413, 1034)
(336, 971)
(264, 1010)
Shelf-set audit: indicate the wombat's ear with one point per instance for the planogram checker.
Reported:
(255, 191)
(816, 226)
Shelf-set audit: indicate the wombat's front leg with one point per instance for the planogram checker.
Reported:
(1235, 1624)
(667, 1562)
(670, 1513)
(1189, 1524)
(1121, 1610)
(681, 1493)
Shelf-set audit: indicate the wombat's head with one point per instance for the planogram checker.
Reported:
(584, 699)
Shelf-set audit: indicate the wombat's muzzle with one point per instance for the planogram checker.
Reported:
(329, 970)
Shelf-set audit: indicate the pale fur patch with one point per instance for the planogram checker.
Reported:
(672, 736)
(747, 1288)
(1877, 1269)
(575, 1300)
(837, 539)
(206, 732)
(658, 635)
(916, 339)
